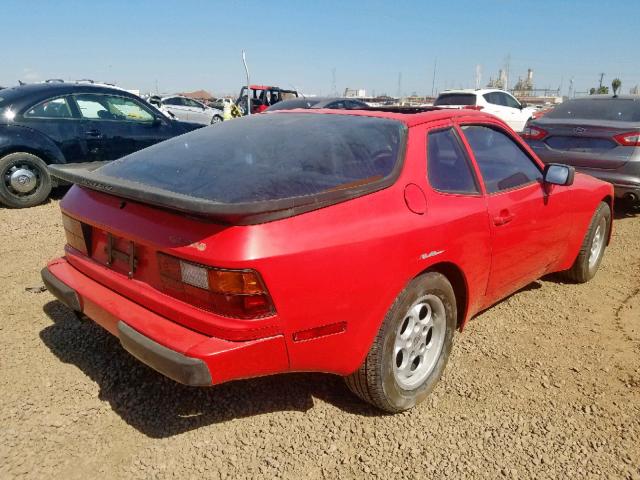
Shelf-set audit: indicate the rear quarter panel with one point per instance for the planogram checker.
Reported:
(18, 138)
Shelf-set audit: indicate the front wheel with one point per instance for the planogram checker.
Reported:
(593, 245)
(216, 119)
(24, 180)
(412, 347)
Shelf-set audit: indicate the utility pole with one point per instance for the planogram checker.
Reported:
(506, 70)
(570, 87)
(433, 82)
(399, 85)
(246, 69)
(334, 88)
(478, 76)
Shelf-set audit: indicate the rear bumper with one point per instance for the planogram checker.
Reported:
(181, 354)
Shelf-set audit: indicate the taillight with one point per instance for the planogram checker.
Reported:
(473, 107)
(78, 234)
(533, 133)
(631, 139)
(230, 293)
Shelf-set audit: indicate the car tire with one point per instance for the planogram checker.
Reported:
(593, 246)
(24, 180)
(412, 347)
(216, 119)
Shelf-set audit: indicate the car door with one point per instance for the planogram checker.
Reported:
(197, 111)
(457, 227)
(115, 125)
(517, 115)
(56, 119)
(178, 107)
(529, 225)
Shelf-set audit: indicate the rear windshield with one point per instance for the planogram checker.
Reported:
(268, 157)
(614, 109)
(455, 99)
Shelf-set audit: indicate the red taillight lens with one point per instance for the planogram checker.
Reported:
(78, 234)
(473, 107)
(534, 133)
(631, 139)
(230, 293)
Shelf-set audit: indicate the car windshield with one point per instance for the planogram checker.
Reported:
(455, 99)
(268, 157)
(613, 109)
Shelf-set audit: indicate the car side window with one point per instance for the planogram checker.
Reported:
(54, 108)
(171, 101)
(503, 164)
(448, 166)
(509, 101)
(491, 98)
(111, 107)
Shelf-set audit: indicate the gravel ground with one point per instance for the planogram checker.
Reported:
(544, 385)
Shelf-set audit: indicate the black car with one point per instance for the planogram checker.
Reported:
(319, 102)
(55, 123)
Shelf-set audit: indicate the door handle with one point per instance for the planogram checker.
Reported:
(93, 133)
(504, 218)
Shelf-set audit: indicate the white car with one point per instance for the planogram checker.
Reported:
(496, 102)
(188, 110)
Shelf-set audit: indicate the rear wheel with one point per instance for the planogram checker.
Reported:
(216, 119)
(412, 347)
(24, 180)
(592, 249)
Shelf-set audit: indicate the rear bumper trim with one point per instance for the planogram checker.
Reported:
(178, 367)
(60, 290)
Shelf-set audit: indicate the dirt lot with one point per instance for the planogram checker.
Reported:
(544, 385)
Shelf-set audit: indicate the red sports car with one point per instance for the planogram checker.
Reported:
(350, 242)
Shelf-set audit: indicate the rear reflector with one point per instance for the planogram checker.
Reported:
(320, 331)
(631, 139)
(230, 293)
(78, 234)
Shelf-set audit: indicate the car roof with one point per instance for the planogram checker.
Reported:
(409, 116)
(35, 92)
(474, 91)
(609, 97)
(326, 100)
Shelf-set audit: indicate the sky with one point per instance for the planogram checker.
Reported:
(381, 46)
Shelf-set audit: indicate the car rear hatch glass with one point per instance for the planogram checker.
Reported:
(455, 99)
(257, 168)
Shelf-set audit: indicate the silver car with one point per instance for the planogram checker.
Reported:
(189, 110)
(598, 134)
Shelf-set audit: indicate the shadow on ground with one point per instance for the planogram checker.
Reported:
(159, 407)
(623, 209)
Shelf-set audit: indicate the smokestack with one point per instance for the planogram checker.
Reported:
(529, 75)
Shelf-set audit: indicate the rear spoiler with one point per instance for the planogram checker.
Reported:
(87, 175)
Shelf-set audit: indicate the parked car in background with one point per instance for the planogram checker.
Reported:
(496, 102)
(58, 122)
(598, 134)
(276, 249)
(262, 97)
(188, 110)
(319, 102)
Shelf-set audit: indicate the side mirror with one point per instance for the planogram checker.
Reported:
(523, 105)
(157, 121)
(558, 174)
